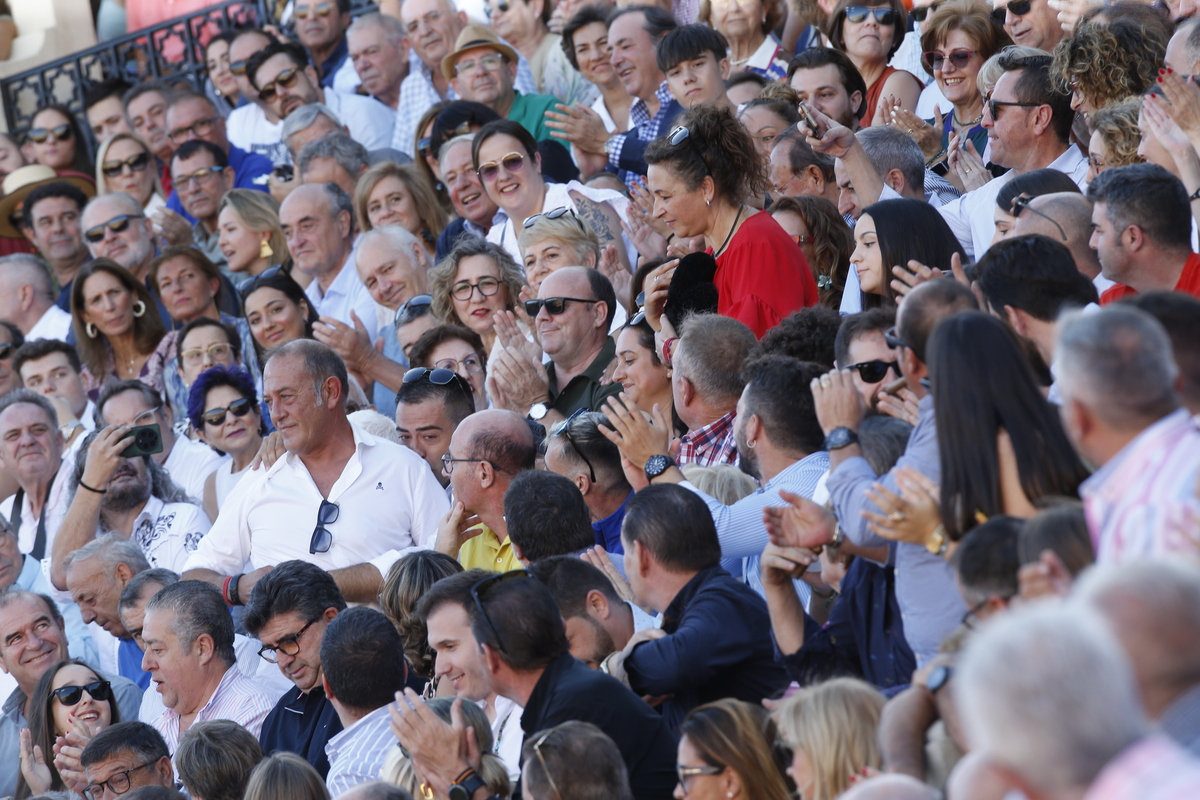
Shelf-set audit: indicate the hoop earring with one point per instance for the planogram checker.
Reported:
(139, 308)
(264, 249)
(91, 330)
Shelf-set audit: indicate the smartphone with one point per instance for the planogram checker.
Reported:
(809, 119)
(147, 440)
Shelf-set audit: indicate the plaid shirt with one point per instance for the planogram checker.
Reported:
(643, 126)
(713, 444)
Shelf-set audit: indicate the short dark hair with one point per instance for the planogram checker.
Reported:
(986, 559)
(602, 289)
(231, 333)
(675, 525)
(801, 156)
(193, 146)
(775, 393)
(138, 739)
(145, 87)
(1036, 84)
(1061, 526)
(658, 21)
(506, 127)
(295, 52)
(522, 622)
(856, 325)
(132, 593)
(114, 388)
(746, 76)
(455, 396)
(111, 87)
(418, 354)
(199, 609)
(362, 657)
(54, 189)
(293, 586)
(546, 515)
(451, 590)
(587, 445)
(40, 348)
(1148, 196)
(925, 309)
(1179, 314)
(689, 42)
(215, 758)
(570, 580)
(805, 335)
(852, 79)
(1034, 274)
(586, 15)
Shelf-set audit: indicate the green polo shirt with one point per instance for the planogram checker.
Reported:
(584, 390)
(530, 110)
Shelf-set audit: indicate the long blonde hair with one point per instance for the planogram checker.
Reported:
(102, 151)
(738, 736)
(836, 724)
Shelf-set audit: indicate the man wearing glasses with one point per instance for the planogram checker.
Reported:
(124, 757)
(202, 175)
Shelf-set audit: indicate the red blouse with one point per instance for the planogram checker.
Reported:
(762, 276)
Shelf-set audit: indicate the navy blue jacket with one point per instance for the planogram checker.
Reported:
(301, 724)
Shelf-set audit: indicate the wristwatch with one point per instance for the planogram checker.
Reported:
(537, 411)
(938, 677)
(839, 438)
(465, 786)
(657, 465)
(937, 543)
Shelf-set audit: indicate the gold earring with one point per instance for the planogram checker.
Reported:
(264, 249)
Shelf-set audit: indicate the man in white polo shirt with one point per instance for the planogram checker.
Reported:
(366, 501)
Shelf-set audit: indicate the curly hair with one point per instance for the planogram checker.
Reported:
(405, 584)
(1107, 62)
(833, 243)
(442, 277)
(717, 146)
(1117, 124)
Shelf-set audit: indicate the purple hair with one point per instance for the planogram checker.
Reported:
(234, 377)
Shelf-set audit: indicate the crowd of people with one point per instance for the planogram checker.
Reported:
(564, 400)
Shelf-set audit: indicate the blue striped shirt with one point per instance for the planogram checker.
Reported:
(356, 755)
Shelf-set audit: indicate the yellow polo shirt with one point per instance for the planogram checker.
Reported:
(486, 551)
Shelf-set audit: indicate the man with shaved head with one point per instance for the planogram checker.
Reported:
(27, 298)
(1072, 212)
(488, 449)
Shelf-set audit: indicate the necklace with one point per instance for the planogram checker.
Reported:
(970, 124)
(732, 228)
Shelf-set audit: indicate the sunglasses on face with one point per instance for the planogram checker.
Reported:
(513, 162)
(71, 695)
(994, 106)
(425, 146)
(198, 129)
(137, 163)
(934, 60)
(874, 371)
(190, 179)
(322, 539)
(61, 133)
(116, 225)
(6, 350)
(319, 10)
(1019, 8)
(884, 16)
(502, 7)
(239, 408)
(921, 12)
(553, 305)
(239, 67)
(286, 79)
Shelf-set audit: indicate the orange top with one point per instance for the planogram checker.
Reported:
(1189, 283)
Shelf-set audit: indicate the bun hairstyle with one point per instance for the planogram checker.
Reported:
(717, 145)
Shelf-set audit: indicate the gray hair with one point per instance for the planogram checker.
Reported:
(22, 269)
(339, 201)
(320, 364)
(397, 237)
(113, 550)
(712, 350)
(130, 205)
(393, 28)
(131, 595)
(1047, 692)
(199, 610)
(890, 148)
(1119, 363)
(463, 138)
(32, 398)
(349, 154)
(304, 116)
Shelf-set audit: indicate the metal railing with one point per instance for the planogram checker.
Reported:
(172, 51)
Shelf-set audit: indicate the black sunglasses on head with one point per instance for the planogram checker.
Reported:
(478, 590)
(874, 371)
(893, 339)
(416, 307)
(261, 278)
(440, 376)
(71, 695)
(565, 431)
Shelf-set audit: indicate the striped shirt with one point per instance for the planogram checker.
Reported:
(1154, 768)
(713, 444)
(236, 698)
(356, 755)
(1142, 503)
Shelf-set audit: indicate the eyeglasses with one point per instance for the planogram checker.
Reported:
(71, 695)
(239, 408)
(884, 16)
(116, 225)
(137, 163)
(972, 616)
(874, 371)
(684, 773)
(61, 133)
(933, 60)
(477, 592)
(681, 134)
(199, 129)
(6, 350)
(286, 79)
(190, 179)
(409, 311)
(425, 146)
(218, 352)
(893, 339)
(490, 62)
(1021, 203)
(921, 12)
(1096, 163)
(502, 7)
(322, 539)
(537, 749)
(471, 363)
(464, 289)
(994, 106)
(442, 376)
(565, 430)
(1019, 8)
(448, 462)
(554, 305)
(319, 10)
(239, 67)
(118, 783)
(557, 213)
(512, 162)
(288, 645)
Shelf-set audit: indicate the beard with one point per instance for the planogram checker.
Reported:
(127, 497)
(747, 458)
(605, 646)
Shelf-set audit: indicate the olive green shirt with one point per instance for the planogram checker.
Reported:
(584, 390)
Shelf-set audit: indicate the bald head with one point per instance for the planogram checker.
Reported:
(891, 787)
(1072, 211)
(502, 437)
(1183, 51)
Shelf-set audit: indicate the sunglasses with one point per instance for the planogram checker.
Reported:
(884, 16)
(893, 339)
(199, 129)
(874, 371)
(136, 163)
(62, 133)
(239, 67)
(502, 7)
(1021, 203)
(478, 590)
(681, 134)
(933, 60)
(116, 225)
(994, 106)
(413, 309)
(6, 350)
(554, 305)
(640, 316)
(286, 79)
(557, 213)
(322, 539)
(921, 12)
(513, 162)
(319, 10)
(71, 695)
(189, 179)
(425, 146)
(537, 749)
(441, 376)
(1019, 8)
(565, 431)
(239, 408)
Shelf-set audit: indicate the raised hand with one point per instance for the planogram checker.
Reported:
(801, 524)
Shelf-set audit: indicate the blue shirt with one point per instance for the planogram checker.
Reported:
(385, 398)
(302, 724)
(331, 65)
(608, 530)
(129, 663)
(246, 167)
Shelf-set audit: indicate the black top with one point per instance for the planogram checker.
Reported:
(568, 690)
(301, 724)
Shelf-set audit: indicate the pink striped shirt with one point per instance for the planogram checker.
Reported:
(1154, 768)
(236, 698)
(1143, 502)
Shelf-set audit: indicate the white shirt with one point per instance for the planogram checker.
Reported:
(248, 128)
(357, 753)
(346, 79)
(389, 504)
(54, 324)
(55, 509)
(346, 293)
(168, 532)
(508, 735)
(190, 463)
(369, 121)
